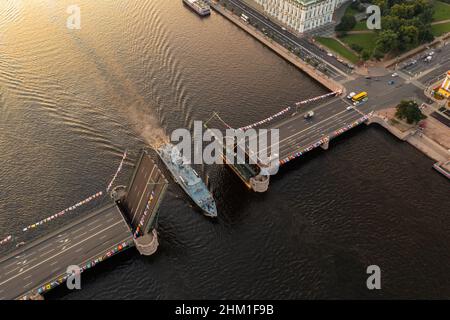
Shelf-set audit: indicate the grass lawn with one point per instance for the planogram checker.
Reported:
(440, 29)
(338, 48)
(361, 26)
(366, 41)
(441, 11)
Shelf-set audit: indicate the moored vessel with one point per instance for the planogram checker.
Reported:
(202, 7)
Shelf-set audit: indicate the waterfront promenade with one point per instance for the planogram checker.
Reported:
(323, 79)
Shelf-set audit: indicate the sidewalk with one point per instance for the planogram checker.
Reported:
(436, 150)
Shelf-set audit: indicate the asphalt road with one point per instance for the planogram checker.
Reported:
(148, 179)
(297, 133)
(46, 259)
(305, 49)
(440, 61)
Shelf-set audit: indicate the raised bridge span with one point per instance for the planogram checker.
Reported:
(333, 116)
(41, 265)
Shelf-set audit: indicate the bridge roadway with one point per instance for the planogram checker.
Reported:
(45, 260)
(297, 133)
(147, 180)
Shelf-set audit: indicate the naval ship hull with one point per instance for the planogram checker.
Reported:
(178, 180)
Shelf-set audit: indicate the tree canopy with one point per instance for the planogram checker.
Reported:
(405, 24)
(410, 111)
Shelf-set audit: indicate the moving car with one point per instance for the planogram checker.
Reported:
(395, 74)
(309, 115)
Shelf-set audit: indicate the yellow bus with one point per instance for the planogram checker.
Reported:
(360, 96)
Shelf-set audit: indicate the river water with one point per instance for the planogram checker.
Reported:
(73, 100)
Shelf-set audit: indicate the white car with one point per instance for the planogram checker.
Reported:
(309, 115)
(351, 95)
(329, 54)
(349, 108)
(395, 74)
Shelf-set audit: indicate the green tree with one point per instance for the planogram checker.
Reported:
(365, 55)
(410, 111)
(386, 41)
(348, 22)
(408, 37)
(377, 54)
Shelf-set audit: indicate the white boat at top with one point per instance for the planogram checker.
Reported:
(202, 7)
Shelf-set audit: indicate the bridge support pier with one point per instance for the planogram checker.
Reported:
(260, 183)
(147, 244)
(35, 296)
(325, 145)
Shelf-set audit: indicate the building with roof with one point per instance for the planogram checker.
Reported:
(444, 89)
(300, 15)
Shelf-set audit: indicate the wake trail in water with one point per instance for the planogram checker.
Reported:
(147, 126)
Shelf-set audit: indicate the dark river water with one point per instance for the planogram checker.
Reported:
(71, 101)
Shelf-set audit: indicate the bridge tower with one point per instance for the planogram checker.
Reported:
(139, 202)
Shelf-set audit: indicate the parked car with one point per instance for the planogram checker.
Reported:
(351, 95)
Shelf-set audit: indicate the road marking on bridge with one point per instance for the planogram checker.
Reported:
(13, 270)
(93, 222)
(142, 195)
(299, 117)
(299, 132)
(40, 263)
(44, 247)
(96, 227)
(10, 265)
(44, 254)
(317, 136)
(79, 236)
